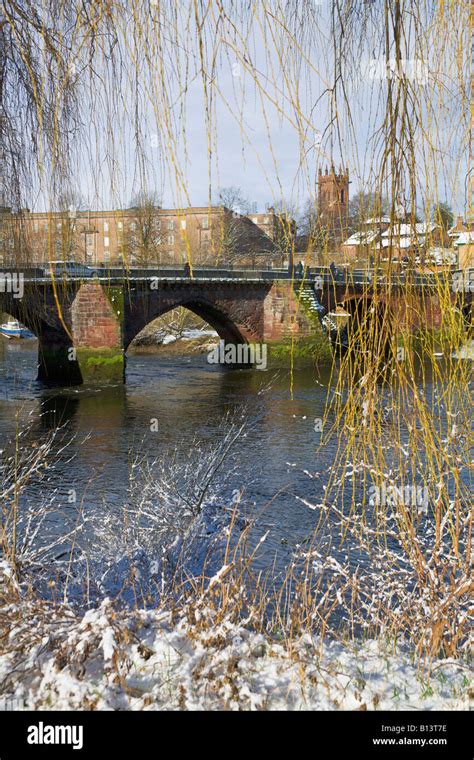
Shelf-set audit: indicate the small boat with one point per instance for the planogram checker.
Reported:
(14, 329)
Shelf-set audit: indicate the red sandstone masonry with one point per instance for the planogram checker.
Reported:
(94, 323)
(283, 315)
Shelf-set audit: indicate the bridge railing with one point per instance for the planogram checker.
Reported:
(326, 276)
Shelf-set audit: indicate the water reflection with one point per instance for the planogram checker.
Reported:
(166, 404)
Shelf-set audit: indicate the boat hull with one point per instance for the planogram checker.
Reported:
(14, 333)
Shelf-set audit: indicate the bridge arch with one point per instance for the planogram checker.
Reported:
(227, 329)
(16, 310)
(370, 323)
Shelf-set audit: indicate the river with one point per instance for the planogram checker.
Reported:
(170, 403)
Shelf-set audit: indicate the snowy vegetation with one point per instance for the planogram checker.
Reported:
(160, 606)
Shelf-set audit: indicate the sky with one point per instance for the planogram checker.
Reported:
(268, 112)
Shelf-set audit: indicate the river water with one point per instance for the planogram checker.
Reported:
(167, 404)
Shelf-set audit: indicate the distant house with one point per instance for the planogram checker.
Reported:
(465, 250)
(378, 240)
(458, 228)
(412, 240)
(440, 257)
(362, 245)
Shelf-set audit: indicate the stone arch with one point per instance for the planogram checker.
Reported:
(227, 329)
(16, 310)
(372, 316)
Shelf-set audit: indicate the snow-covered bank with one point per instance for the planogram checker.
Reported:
(147, 661)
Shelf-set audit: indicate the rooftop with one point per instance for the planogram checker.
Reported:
(361, 238)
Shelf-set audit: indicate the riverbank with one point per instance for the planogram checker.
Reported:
(171, 345)
(197, 659)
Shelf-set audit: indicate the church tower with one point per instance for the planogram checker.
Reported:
(333, 201)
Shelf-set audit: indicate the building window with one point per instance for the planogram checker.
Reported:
(106, 255)
(90, 241)
(205, 224)
(183, 224)
(59, 225)
(133, 226)
(157, 224)
(342, 196)
(266, 219)
(106, 242)
(106, 226)
(170, 239)
(171, 224)
(120, 225)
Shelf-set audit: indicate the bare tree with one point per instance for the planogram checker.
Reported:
(366, 205)
(235, 200)
(143, 239)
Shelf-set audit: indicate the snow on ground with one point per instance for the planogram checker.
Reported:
(189, 334)
(144, 660)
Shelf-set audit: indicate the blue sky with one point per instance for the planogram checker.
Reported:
(261, 141)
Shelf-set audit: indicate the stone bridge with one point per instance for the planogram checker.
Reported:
(84, 326)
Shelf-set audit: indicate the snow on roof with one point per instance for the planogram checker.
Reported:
(378, 220)
(401, 242)
(464, 238)
(447, 255)
(361, 238)
(409, 230)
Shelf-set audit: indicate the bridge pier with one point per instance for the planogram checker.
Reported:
(56, 362)
(97, 332)
(87, 347)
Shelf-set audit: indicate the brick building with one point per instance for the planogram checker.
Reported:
(277, 226)
(143, 236)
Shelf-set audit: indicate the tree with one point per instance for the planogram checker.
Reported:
(46, 47)
(442, 214)
(234, 199)
(307, 218)
(143, 239)
(66, 240)
(366, 205)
